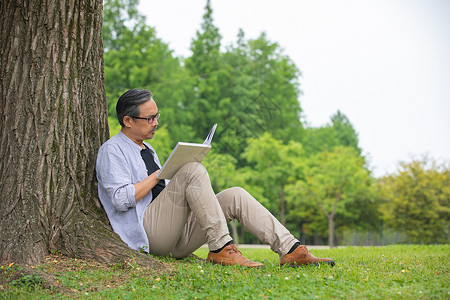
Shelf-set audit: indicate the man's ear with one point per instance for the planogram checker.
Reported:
(127, 121)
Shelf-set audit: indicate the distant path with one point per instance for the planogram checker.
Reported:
(260, 246)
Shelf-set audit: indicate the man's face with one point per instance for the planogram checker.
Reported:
(141, 129)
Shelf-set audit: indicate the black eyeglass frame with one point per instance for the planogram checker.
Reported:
(150, 119)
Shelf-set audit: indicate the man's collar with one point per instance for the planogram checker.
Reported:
(129, 141)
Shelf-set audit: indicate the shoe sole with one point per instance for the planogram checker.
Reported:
(216, 263)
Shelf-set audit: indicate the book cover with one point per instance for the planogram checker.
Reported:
(184, 153)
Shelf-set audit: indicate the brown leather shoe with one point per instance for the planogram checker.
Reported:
(230, 256)
(302, 257)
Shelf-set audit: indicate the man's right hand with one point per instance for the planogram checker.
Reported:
(145, 186)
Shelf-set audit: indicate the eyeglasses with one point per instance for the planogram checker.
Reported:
(150, 119)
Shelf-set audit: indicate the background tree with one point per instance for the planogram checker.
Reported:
(53, 119)
(275, 165)
(205, 67)
(339, 132)
(264, 93)
(417, 200)
(332, 180)
(277, 82)
(118, 15)
(344, 131)
(245, 89)
(237, 118)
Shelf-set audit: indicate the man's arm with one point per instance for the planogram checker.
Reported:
(145, 186)
(114, 177)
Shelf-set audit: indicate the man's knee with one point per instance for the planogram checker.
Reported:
(238, 191)
(193, 168)
(233, 197)
(235, 193)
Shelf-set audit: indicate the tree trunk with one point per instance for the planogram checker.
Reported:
(331, 230)
(53, 119)
(282, 206)
(234, 230)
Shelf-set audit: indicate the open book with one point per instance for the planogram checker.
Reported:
(184, 153)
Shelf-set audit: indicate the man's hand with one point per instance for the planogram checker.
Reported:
(145, 186)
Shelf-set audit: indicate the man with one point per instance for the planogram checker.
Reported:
(179, 216)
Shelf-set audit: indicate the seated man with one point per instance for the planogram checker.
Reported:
(179, 216)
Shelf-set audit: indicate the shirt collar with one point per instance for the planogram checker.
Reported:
(129, 141)
(135, 146)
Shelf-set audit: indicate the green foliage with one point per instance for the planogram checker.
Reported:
(274, 166)
(334, 181)
(117, 16)
(263, 92)
(417, 201)
(222, 170)
(205, 67)
(344, 131)
(248, 90)
(277, 78)
(339, 132)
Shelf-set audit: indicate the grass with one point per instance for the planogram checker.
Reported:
(392, 272)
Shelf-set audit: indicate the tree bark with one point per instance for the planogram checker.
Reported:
(53, 119)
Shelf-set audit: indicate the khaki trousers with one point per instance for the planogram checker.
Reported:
(187, 214)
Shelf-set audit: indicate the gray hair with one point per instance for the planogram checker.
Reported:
(128, 103)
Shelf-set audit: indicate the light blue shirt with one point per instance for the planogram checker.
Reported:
(119, 167)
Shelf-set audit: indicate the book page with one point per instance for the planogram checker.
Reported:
(210, 135)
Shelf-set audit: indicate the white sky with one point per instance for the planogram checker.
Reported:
(385, 64)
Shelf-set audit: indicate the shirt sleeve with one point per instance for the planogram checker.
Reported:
(114, 175)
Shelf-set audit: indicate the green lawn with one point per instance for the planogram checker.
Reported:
(400, 272)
